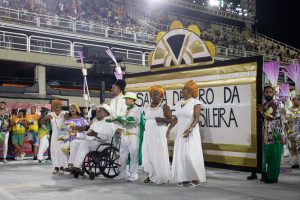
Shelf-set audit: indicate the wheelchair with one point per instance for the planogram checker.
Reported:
(105, 162)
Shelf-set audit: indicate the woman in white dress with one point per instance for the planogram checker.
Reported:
(155, 153)
(57, 119)
(188, 163)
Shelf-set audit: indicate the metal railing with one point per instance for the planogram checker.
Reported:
(61, 47)
(50, 46)
(69, 25)
(13, 41)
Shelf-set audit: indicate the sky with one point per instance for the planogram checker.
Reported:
(279, 19)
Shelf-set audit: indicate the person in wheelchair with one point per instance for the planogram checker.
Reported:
(99, 132)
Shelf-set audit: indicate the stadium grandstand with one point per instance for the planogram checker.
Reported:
(45, 35)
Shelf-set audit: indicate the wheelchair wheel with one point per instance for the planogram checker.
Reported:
(76, 174)
(91, 163)
(110, 162)
(82, 172)
(92, 176)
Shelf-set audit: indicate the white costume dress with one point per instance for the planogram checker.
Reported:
(188, 162)
(80, 147)
(59, 159)
(155, 147)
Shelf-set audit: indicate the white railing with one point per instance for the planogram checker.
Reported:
(50, 46)
(131, 56)
(54, 46)
(13, 41)
(69, 25)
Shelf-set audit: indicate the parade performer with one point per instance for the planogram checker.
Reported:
(293, 72)
(294, 131)
(19, 126)
(57, 119)
(118, 104)
(99, 132)
(32, 121)
(74, 124)
(155, 146)
(188, 163)
(273, 136)
(43, 135)
(5, 127)
(131, 130)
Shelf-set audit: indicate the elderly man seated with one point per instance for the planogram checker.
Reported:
(99, 132)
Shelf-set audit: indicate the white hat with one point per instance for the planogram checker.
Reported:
(130, 95)
(106, 107)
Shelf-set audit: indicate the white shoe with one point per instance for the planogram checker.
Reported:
(23, 156)
(4, 161)
(122, 176)
(133, 178)
(17, 158)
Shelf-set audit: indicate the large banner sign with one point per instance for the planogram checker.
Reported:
(228, 121)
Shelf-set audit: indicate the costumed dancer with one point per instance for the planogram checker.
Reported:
(19, 126)
(118, 104)
(188, 163)
(57, 120)
(273, 136)
(74, 125)
(43, 135)
(131, 130)
(32, 121)
(294, 131)
(271, 71)
(5, 127)
(293, 72)
(284, 100)
(155, 145)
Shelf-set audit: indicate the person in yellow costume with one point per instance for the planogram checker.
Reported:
(18, 133)
(32, 121)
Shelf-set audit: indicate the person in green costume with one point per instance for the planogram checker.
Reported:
(131, 138)
(273, 136)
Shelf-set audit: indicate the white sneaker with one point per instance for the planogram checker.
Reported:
(133, 178)
(17, 158)
(122, 176)
(23, 156)
(4, 161)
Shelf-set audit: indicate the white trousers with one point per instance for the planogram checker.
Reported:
(59, 159)
(5, 144)
(44, 144)
(129, 145)
(79, 149)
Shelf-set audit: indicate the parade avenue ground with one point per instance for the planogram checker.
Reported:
(29, 180)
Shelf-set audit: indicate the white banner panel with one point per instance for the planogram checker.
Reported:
(225, 115)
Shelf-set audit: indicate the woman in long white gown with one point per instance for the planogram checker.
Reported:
(155, 153)
(57, 119)
(188, 163)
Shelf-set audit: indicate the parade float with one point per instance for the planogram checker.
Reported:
(229, 90)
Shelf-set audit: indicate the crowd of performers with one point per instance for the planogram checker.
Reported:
(144, 135)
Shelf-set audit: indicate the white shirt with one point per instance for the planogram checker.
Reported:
(136, 114)
(118, 106)
(104, 130)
